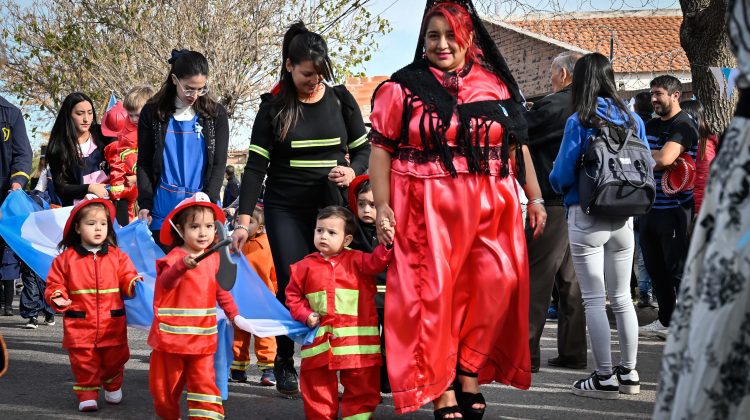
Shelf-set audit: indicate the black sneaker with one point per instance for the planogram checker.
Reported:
(628, 379)
(286, 376)
(237, 375)
(598, 386)
(49, 319)
(32, 324)
(8, 312)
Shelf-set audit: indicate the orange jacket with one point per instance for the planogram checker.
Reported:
(185, 305)
(342, 290)
(258, 253)
(97, 284)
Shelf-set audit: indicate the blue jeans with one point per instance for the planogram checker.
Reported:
(644, 280)
(32, 296)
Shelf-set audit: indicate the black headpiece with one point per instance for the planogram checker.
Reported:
(493, 59)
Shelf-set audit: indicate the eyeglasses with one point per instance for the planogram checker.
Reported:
(191, 92)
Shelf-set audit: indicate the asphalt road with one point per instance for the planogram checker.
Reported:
(38, 385)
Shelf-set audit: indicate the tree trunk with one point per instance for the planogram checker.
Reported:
(705, 39)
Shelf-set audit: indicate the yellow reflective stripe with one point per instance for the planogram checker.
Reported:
(312, 163)
(350, 350)
(116, 188)
(259, 150)
(324, 329)
(107, 381)
(135, 168)
(213, 399)
(360, 141)
(264, 365)
(240, 364)
(21, 173)
(356, 331)
(85, 388)
(194, 412)
(360, 416)
(176, 329)
(185, 311)
(92, 291)
(298, 144)
(381, 288)
(127, 152)
(315, 350)
(347, 301)
(318, 302)
(131, 285)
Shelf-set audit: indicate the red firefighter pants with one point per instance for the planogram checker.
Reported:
(167, 377)
(94, 367)
(265, 350)
(320, 392)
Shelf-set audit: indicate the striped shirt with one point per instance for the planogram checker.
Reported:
(679, 129)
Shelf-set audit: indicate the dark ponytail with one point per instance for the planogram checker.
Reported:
(299, 45)
(184, 63)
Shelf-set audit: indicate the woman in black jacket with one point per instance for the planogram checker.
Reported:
(183, 136)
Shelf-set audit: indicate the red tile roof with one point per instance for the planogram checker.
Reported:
(643, 41)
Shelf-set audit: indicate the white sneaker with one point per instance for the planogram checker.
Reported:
(629, 381)
(113, 397)
(88, 405)
(655, 328)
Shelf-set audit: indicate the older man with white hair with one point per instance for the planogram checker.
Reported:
(549, 256)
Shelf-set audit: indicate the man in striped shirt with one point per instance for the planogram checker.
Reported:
(664, 230)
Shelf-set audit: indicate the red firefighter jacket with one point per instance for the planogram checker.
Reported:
(185, 305)
(122, 156)
(342, 290)
(96, 283)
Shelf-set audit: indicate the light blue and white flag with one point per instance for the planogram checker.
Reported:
(112, 102)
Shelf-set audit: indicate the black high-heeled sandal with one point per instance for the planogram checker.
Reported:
(467, 400)
(442, 412)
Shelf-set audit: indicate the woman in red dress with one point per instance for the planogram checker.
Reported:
(448, 135)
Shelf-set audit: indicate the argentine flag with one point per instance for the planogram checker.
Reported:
(33, 234)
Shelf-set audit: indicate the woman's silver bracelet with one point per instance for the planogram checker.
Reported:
(536, 201)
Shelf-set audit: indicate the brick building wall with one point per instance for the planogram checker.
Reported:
(529, 59)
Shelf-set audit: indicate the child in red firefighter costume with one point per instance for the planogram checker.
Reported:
(445, 131)
(121, 155)
(87, 282)
(184, 332)
(335, 290)
(258, 253)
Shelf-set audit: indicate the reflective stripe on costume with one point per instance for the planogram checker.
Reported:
(360, 141)
(178, 329)
(298, 144)
(127, 152)
(92, 291)
(315, 350)
(85, 388)
(318, 302)
(356, 331)
(194, 412)
(185, 311)
(21, 173)
(108, 381)
(349, 350)
(240, 364)
(312, 163)
(213, 399)
(381, 288)
(347, 301)
(259, 150)
(360, 416)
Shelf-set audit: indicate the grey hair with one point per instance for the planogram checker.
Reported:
(566, 60)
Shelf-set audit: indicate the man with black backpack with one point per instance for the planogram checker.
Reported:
(664, 230)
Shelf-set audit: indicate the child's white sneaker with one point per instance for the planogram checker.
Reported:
(113, 397)
(88, 405)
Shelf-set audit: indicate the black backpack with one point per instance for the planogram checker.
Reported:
(616, 174)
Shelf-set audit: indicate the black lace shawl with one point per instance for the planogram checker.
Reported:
(476, 118)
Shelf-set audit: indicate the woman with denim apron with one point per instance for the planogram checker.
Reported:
(183, 136)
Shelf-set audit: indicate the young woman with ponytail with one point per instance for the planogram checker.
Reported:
(302, 134)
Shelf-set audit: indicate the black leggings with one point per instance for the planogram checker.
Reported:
(290, 234)
(8, 289)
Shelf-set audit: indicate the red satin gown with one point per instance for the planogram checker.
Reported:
(458, 286)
